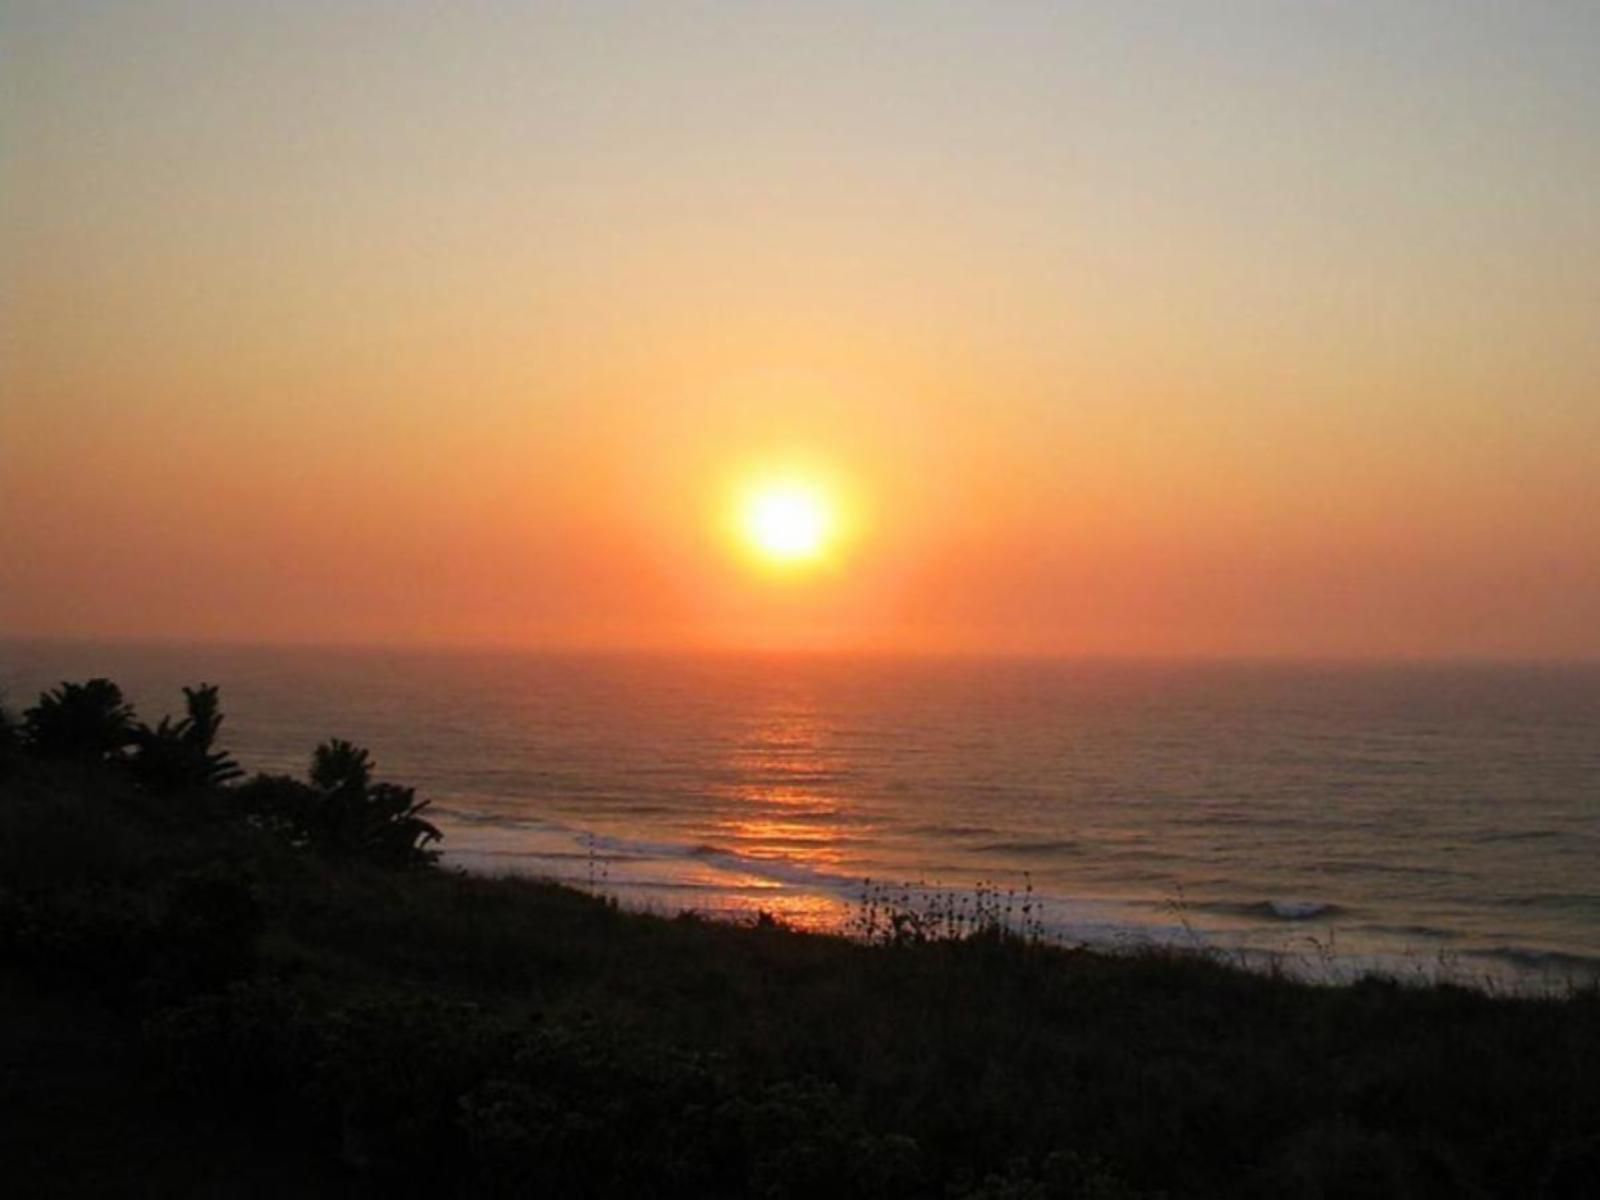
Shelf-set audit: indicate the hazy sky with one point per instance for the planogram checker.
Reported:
(1196, 328)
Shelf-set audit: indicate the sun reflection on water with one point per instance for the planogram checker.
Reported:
(783, 803)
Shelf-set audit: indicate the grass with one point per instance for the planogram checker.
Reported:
(196, 1008)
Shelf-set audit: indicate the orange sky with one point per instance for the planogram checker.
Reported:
(1114, 331)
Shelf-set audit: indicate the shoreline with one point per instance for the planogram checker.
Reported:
(1310, 949)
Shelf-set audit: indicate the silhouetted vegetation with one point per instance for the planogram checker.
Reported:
(342, 813)
(10, 736)
(82, 722)
(216, 987)
(175, 756)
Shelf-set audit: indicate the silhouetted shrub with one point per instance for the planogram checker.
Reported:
(85, 722)
(210, 930)
(341, 814)
(179, 755)
(253, 1043)
(10, 741)
(93, 940)
(338, 766)
(10, 736)
(279, 804)
(392, 1078)
(545, 1122)
(1338, 1158)
(1063, 1175)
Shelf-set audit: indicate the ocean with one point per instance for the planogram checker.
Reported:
(1426, 820)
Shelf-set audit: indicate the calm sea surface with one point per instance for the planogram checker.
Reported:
(1424, 817)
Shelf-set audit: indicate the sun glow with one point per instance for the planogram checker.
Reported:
(788, 523)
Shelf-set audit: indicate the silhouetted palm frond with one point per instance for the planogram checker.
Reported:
(179, 754)
(85, 722)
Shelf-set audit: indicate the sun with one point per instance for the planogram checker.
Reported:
(788, 523)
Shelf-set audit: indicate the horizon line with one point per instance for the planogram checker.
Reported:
(535, 649)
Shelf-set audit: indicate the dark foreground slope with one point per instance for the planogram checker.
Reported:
(195, 1006)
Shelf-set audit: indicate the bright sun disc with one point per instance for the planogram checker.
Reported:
(787, 523)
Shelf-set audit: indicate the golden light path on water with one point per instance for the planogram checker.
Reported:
(789, 818)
